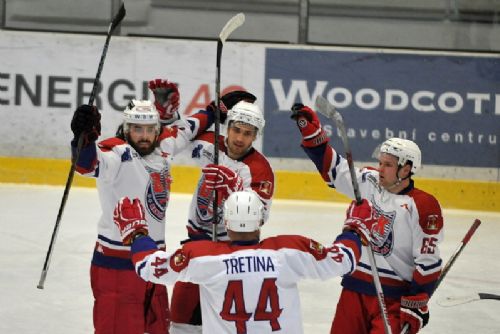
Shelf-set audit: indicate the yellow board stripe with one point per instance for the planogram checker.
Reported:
(456, 194)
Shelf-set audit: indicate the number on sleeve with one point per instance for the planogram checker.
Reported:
(428, 245)
(159, 272)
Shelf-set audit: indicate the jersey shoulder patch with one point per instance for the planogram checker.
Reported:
(262, 174)
(168, 132)
(110, 143)
(429, 211)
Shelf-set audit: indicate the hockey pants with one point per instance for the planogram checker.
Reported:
(125, 304)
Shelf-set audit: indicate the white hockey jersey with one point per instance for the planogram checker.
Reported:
(248, 287)
(254, 169)
(406, 247)
(120, 171)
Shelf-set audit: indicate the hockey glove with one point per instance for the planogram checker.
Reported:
(360, 220)
(87, 121)
(414, 311)
(130, 219)
(227, 101)
(222, 179)
(309, 125)
(167, 100)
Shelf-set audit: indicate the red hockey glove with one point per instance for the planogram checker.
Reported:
(222, 179)
(130, 219)
(309, 125)
(227, 101)
(87, 121)
(167, 99)
(360, 219)
(414, 311)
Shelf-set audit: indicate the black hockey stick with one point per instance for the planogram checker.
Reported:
(328, 110)
(459, 300)
(114, 23)
(231, 25)
(451, 261)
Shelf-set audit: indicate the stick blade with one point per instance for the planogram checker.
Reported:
(458, 300)
(234, 23)
(118, 17)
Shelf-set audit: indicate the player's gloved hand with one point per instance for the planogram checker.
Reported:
(414, 311)
(167, 99)
(360, 219)
(87, 121)
(227, 101)
(130, 219)
(222, 179)
(309, 125)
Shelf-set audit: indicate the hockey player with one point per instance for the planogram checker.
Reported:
(240, 166)
(406, 247)
(246, 285)
(132, 164)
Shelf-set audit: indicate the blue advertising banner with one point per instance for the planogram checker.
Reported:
(448, 104)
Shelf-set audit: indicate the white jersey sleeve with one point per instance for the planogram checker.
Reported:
(406, 244)
(249, 288)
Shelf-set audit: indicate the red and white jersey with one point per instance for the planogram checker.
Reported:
(120, 171)
(406, 247)
(248, 287)
(254, 169)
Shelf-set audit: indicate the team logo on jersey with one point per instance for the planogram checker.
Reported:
(434, 224)
(382, 231)
(158, 193)
(266, 187)
(126, 155)
(208, 154)
(195, 154)
(316, 247)
(204, 207)
(179, 261)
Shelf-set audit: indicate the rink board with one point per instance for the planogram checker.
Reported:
(457, 194)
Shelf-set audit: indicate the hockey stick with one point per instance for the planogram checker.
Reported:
(451, 261)
(459, 300)
(234, 23)
(328, 110)
(114, 23)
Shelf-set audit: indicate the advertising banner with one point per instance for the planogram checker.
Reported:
(45, 76)
(449, 104)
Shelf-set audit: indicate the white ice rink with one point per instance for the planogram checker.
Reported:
(27, 217)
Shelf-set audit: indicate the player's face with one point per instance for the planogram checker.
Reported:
(240, 137)
(388, 169)
(142, 138)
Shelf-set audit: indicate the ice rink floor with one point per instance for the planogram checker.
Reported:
(28, 214)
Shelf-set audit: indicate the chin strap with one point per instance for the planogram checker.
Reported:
(399, 180)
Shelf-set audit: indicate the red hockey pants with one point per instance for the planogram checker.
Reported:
(121, 299)
(360, 314)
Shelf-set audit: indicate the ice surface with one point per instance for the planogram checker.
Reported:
(28, 214)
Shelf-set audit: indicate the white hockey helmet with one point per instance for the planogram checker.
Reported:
(405, 150)
(248, 113)
(243, 212)
(140, 112)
